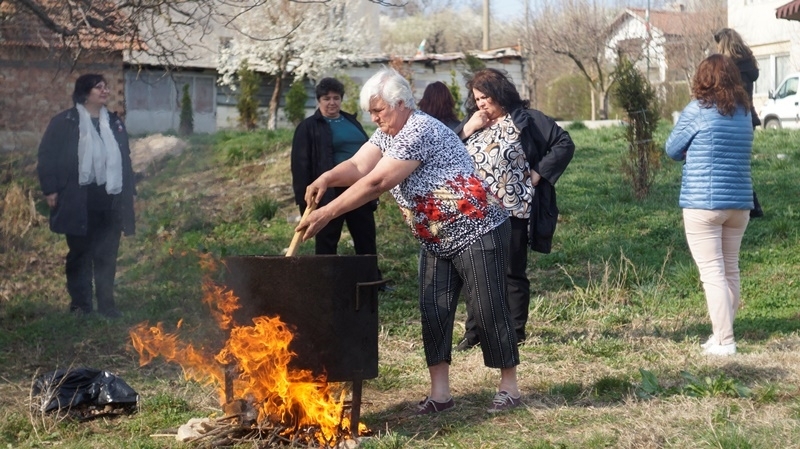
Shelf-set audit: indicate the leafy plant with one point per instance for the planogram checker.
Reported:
(186, 126)
(713, 387)
(296, 98)
(649, 388)
(635, 95)
(247, 104)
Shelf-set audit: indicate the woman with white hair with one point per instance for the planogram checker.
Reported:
(463, 230)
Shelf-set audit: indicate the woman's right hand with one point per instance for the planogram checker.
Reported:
(478, 121)
(52, 200)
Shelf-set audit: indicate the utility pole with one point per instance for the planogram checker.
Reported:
(485, 25)
(647, 19)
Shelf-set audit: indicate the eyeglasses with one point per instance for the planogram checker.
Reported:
(102, 86)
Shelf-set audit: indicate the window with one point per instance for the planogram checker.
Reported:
(204, 95)
(762, 84)
(788, 88)
(781, 68)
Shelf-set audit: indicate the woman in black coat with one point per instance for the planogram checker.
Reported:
(520, 153)
(86, 176)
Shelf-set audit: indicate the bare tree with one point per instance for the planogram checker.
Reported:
(162, 31)
(576, 29)
(696, 41)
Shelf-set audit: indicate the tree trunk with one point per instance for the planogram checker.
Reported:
(591, 95)
(604, 105)
(272, 121)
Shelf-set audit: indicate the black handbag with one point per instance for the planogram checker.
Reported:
(756, 211)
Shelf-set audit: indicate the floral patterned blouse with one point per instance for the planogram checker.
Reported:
(444, 202)
(500, 160)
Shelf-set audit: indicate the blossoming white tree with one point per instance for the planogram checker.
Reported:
(284, 38)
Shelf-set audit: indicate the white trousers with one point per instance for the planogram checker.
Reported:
(714, 238)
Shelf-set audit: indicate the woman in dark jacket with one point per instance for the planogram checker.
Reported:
(521, 153)
(321, 142)
(730, 44)
(86, 176)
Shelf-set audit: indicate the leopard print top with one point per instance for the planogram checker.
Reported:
(447, 206)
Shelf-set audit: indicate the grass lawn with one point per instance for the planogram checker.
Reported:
(617, 312)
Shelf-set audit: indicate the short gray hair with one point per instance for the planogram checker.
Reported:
(389, 86)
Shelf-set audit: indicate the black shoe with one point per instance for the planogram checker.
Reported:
(466, 345)
(110, 313)
(78, 311)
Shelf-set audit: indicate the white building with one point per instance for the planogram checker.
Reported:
(775, 41)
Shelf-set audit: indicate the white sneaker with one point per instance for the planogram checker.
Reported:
(709, 342)
(722, 350)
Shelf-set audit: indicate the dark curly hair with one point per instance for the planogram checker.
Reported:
(327, 85)
(438, 102)
(717, 83)
(496, 85)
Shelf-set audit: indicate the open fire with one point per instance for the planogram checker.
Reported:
(259, 356)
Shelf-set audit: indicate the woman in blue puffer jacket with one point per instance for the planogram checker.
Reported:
(714, 136)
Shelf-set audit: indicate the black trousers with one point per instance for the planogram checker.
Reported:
(94, 257)
(519, 287)
(478, 269)
(360, 223)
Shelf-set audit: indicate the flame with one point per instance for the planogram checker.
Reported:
(261, 355)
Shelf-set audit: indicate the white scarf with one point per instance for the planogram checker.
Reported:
(99, 158)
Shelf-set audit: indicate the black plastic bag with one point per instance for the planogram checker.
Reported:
(65, 389)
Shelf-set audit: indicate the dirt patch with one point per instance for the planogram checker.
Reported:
(148, 151)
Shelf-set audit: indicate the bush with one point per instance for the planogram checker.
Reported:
(576, 126)
(186, 126)
(568, 98)
(455, 91)
(635, 95)
(249, 85)
(351, 95)
(264, 208)
(296, 98)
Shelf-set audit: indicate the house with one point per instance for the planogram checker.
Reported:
(39, 71)
(775, 42)
(153, 93)
(666, 45)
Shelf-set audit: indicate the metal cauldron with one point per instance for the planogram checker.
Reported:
(329, 302)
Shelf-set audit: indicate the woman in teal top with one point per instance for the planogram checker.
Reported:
(321, 142)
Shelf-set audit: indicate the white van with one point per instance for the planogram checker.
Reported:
(783, 107)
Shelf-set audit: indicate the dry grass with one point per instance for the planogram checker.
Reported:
(611, 320)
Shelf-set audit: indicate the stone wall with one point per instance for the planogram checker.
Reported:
(37, 83)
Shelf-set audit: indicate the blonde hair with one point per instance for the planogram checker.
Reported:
(731, 44)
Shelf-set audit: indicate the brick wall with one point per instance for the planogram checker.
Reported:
(36, 84)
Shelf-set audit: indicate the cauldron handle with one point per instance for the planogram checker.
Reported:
(359, 285)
